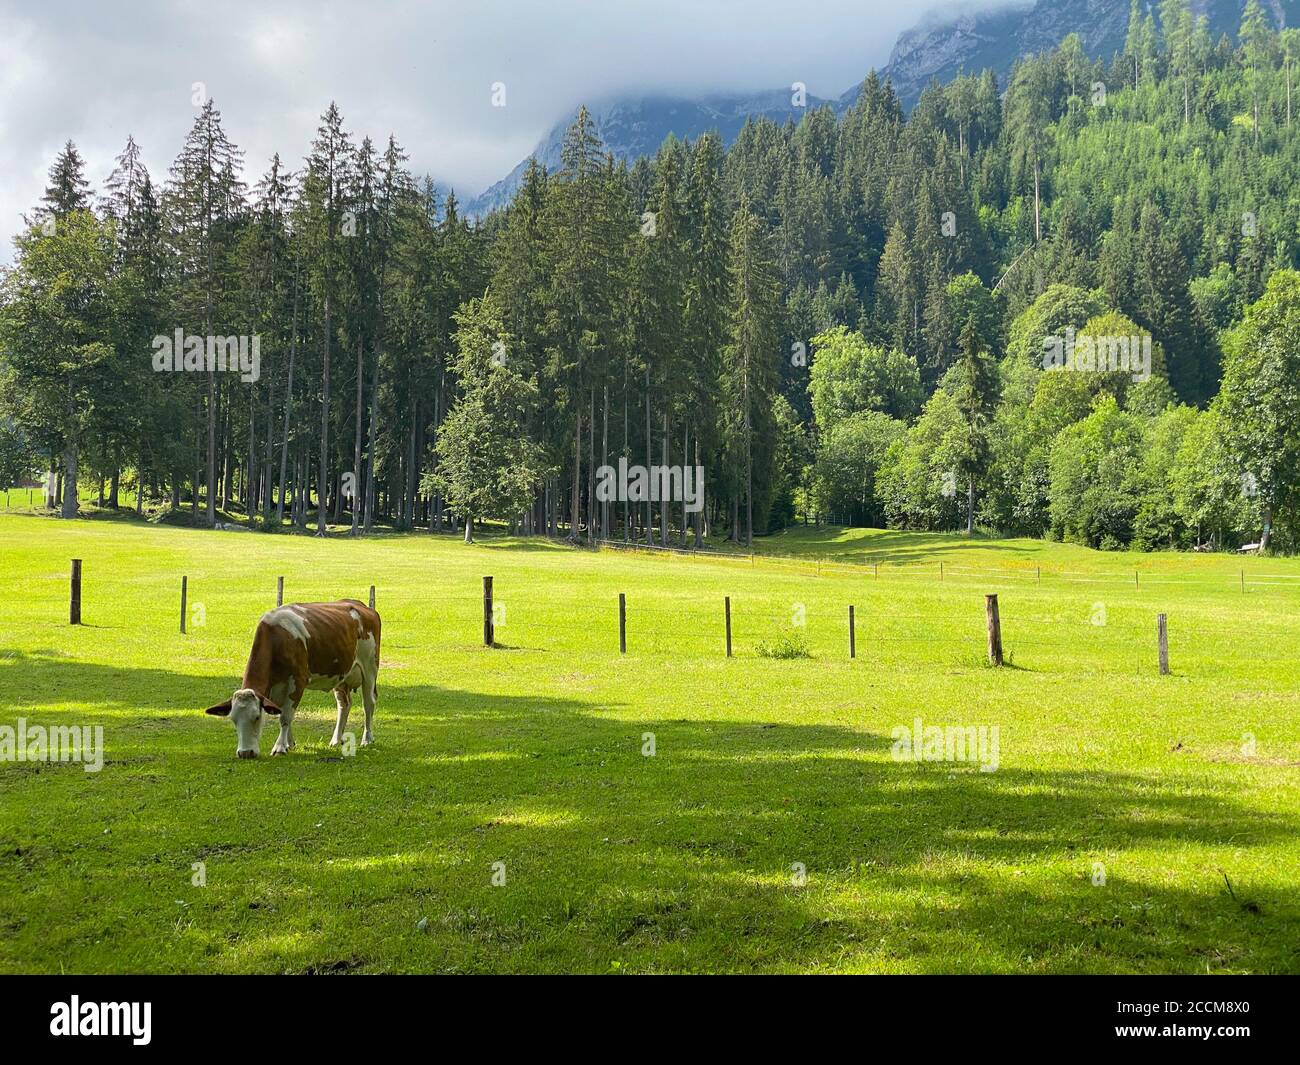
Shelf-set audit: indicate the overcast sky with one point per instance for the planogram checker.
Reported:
(96, 71)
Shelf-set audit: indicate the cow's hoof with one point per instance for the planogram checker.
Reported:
(279, 750)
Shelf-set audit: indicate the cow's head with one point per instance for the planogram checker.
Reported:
(245, 708)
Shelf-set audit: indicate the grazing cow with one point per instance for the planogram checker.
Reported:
(318, 646)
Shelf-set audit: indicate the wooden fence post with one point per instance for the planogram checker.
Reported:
(74, 600)
(940, 571)
(184, 592)
(622, 623)
(1162, 641)
(372, 597)
(727, 607)
(279, 591)
(489, 637)
(853, 644)
(995, 629)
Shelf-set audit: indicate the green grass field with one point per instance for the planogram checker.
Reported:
(1134, 823)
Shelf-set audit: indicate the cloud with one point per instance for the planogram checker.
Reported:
(95, 72)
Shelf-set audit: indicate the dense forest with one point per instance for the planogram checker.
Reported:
(875, 318)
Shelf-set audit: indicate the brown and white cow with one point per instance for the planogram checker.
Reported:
(305, 646)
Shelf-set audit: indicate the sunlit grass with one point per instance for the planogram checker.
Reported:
(531, 756)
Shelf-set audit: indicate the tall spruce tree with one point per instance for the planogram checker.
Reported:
(326, 225)
(749, 360)
(203, 204)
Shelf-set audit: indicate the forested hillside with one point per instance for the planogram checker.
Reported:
(930, 320)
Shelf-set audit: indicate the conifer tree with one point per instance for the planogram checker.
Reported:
(68, 189)
(749, 374)
(203, 204)
(326, 224)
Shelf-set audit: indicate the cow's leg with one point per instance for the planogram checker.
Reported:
(343, 698)
(368, 699)
(287, 696)
(284, 742)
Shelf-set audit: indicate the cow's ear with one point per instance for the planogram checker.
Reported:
(220, 710)
(270, 707)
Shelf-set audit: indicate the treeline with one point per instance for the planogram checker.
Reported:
(844, 318)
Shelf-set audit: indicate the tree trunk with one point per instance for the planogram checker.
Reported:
(370, 445)
(686, 450)
(749, 468)
(323, 479)
(627, 506)
(288, 406)
(212, 451)
(250, 474)
(356, 449)
(228, 454)
(649, 507)
(665, 505)
(696, 517)
(575, 515)
(69, 509)
(591, 470)
(604, 461)
(198, 467)
(267, 482)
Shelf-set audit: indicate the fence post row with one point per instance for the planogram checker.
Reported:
(489, 634)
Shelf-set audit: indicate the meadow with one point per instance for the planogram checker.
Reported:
(552, 805)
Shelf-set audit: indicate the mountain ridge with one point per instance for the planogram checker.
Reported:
(967, 39)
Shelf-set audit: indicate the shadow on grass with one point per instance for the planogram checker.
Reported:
(683, 859)
(884, 546)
